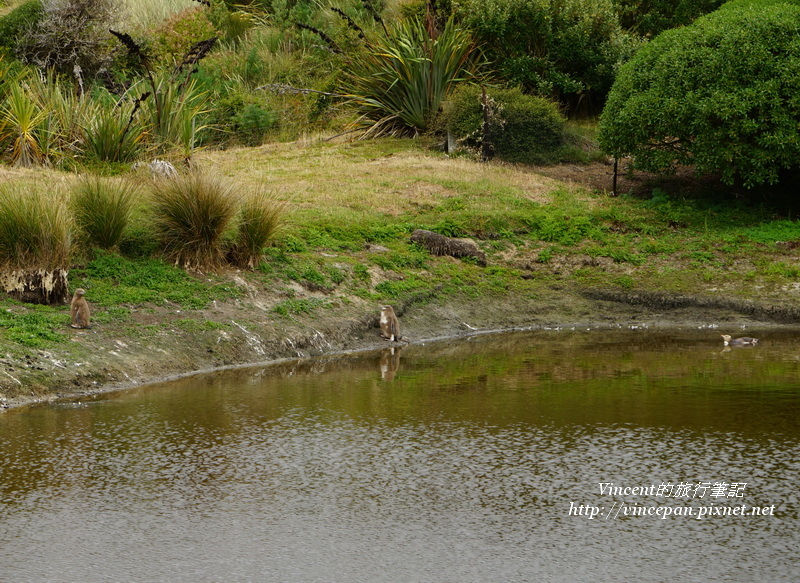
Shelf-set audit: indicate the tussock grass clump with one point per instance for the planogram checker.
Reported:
(103, 209)
(192, 214)
(35, 230)
(259, 220)
(35, 244)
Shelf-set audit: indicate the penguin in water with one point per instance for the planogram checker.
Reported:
(743, 341)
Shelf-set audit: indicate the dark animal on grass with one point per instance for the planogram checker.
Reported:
(438, 244)
(79, 310)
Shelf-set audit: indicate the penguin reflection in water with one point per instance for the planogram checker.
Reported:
(743, 341)
(390, 363)
(390, 330)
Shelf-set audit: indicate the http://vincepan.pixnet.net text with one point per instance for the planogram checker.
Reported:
(696, 500)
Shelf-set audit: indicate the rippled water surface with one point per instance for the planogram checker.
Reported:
(472, 461)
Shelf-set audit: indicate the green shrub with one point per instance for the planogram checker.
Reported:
(656, 16)
(173, 39)
(240, 115)
(102, 209)
(17, 22)
(522, 128)
(720, 94)
(565, 49)
(231, 24)
(192, 213)
(252, 122)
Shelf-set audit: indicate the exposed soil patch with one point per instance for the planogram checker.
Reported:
(599, 176)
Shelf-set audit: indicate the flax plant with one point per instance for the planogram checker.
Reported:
(67, 114)
(102, 209)
(192, 213)
(398, 84)
(21, 123)
(259, 219)
(115, 134)
(172, 112)
(172, 103)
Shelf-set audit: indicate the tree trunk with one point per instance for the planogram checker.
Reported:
(40, 286)
(486, 139)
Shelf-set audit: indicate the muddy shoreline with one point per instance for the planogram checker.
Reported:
(106, 359)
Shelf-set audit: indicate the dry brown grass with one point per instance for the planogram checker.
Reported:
(361, 177)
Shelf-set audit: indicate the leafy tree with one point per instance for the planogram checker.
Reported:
(650, 17)
(19, 22)
(722, 94)
(567, 50)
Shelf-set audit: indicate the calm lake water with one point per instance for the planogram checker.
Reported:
(482, 460)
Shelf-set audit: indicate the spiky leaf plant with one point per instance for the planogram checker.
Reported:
(398, 84)
(259, 220)
(68, 112)
(175, 103)
(171, 114)
(102, 209)
(20, 122)
(192, 213)
(115, 134)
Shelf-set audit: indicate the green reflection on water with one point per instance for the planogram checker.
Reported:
(495, 435)
(675, 379)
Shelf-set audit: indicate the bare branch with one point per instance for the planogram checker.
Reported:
(281, 89)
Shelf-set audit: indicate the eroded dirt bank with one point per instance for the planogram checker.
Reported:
(158, 344)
